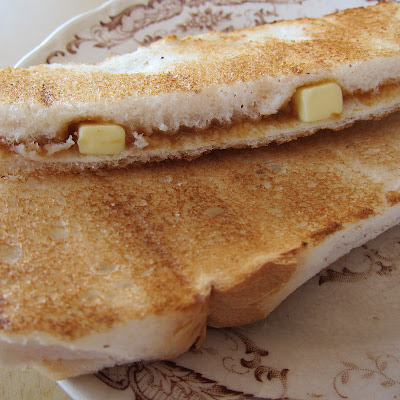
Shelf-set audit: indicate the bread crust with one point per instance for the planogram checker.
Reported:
(156, 251)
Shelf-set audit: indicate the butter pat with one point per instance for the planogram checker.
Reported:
(317, 102)
(101, 139)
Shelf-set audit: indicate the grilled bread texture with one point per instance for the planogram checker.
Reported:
(111, 266)
(179, 98)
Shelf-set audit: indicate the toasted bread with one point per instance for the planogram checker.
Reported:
(174, 100)
(102, 268)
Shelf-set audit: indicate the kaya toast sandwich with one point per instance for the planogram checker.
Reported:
(181, 98)
(107, 267)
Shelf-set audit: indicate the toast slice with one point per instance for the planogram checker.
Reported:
(181, 98)
(107, 267)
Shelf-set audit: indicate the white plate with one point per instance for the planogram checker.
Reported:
(337, 337)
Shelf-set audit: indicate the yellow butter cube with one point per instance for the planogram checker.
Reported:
(317, 102)
(101, 139)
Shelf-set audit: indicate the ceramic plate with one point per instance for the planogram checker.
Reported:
(336, 337)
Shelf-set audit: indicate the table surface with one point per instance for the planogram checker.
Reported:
(24, 25)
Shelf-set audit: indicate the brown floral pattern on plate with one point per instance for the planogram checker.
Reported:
(376, 264)
(237, 338)
(123, 26)
(381, 367)
(166, 379)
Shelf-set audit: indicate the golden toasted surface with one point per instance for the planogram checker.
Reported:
(273, 50)
(83, 252)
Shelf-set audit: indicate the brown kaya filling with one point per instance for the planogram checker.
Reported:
(288, 115)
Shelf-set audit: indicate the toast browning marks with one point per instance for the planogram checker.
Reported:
(160, 93)
(156, 251)
(274, 50)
